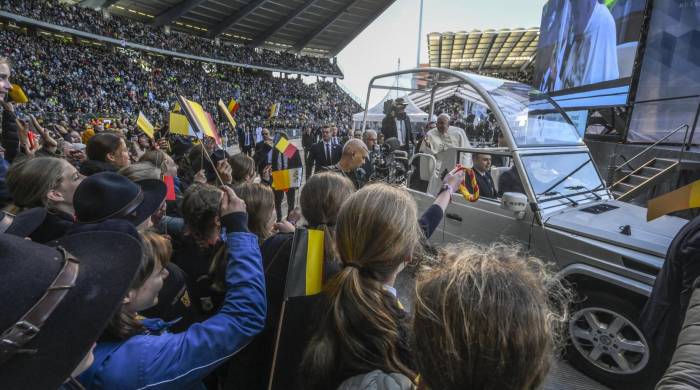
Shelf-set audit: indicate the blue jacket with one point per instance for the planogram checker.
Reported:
(181, 360)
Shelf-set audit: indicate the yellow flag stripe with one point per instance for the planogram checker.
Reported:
(694, 200)
(282, 145)
(281, 180)
(314, 262)
(17, 94)
(200, 116)
(145, 125)
(681, 199)
(180, 125)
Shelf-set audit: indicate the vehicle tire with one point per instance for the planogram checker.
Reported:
(605, 341)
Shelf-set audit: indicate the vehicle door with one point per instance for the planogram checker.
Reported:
(485, 221)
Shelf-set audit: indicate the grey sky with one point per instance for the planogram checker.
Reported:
(393, 35)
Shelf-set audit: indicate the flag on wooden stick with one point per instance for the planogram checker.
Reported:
(200, 120)
(180, 125)
(145, 125)
(226, 113)
(233, 106)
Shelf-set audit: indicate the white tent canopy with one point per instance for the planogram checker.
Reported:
(376, 114)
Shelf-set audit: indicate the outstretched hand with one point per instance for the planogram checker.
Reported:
(46, 139)
(454, 178)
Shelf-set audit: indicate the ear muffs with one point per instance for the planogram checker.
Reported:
(468, 196)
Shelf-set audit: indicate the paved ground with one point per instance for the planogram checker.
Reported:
(562, 375)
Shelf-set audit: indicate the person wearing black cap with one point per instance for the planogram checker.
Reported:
(181, 360)
(57, 301)
(397, 124)
(108, 195)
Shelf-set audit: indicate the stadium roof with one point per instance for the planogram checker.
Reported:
(488, 50)
(322, 27)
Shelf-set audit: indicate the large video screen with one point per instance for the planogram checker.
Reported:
(668, 91)
(587, 44)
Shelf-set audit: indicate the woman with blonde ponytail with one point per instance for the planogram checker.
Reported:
(363, 326)
(321, 198)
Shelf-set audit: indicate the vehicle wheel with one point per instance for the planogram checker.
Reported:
(606, 343)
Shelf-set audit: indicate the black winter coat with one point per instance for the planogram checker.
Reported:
(389, 130)
(663, 313)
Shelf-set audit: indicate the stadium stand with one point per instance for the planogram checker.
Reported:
(72, 78)
(93, 21)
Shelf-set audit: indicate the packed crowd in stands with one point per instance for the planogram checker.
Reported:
(113, 26)
(91, 76)
(521, 76)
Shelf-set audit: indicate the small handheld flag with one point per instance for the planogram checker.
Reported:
(201, 121)
(202, 124)
(286, 179)
(180, 125)
(686, 197)
(274, 110)
(226, 113)
(305, 274)
(285, 147)
(170, 185)
(145, 125)
(17, 94)
(233, 106)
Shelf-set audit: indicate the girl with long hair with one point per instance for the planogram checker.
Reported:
(363, 326)
(105, 152)
(321, 198)
(49, 183)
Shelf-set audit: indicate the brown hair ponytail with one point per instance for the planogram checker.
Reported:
(361, 327)
(320, 200)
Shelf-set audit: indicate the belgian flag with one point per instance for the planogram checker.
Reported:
(302, 296)
(305, 274)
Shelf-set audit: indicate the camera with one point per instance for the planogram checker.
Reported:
(389, 163)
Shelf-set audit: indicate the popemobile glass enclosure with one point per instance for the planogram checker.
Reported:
(539, 140)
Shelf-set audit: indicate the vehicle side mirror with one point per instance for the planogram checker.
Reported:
(515, 202)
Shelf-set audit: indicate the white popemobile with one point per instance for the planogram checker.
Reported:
(563, 213)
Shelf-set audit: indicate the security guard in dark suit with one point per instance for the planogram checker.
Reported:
(324, 154)
(482, 172)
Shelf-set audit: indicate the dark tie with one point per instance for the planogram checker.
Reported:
(328, 153)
